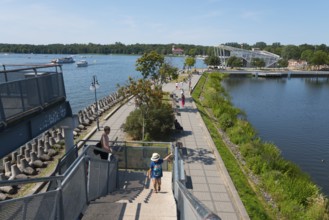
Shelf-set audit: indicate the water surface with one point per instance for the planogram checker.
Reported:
(291, 113)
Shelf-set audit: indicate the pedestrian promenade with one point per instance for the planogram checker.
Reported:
(207, 177)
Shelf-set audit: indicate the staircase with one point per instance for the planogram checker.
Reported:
(135, 199)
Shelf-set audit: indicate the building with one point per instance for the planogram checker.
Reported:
(225, 52)
(177, 51)
(297, 64)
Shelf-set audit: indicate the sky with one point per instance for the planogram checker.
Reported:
(198, 22)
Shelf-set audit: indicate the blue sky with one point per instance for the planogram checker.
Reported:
(203, 22)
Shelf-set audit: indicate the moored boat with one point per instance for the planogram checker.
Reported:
(63, 60)
(82, 63)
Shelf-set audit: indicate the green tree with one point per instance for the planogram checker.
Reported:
(257, 62)
(167, 72)
(282, 63)
(153, 119)
(192, 52)
(145, 93)
(212, 61)
(319, 58)
(189, 62)
(260, 45)
(290, 52)
(234, 61)
(149, 65)
(307, 55)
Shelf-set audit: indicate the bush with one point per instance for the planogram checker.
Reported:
(226, 121)
(158, 123)
(134, 124)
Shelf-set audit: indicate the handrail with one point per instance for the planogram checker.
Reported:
(200, 210)
(30, 67)
(30, 180)
(198, 206)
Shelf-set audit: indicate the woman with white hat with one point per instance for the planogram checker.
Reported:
(155, 171)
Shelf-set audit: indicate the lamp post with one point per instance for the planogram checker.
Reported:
(93, 87)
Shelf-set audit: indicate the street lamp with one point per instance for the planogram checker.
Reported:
(93, 87)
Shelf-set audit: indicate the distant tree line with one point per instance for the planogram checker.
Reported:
(116, 48)
(313, 54)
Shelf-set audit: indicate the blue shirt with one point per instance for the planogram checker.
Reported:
(156, 168)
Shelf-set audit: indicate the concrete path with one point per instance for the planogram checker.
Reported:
(207, 177)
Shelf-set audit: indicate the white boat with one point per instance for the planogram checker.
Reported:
(82, 63)
(63, 60)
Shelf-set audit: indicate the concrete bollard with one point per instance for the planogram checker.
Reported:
(14, 172)
(22, 150)
(46, 147)
(8, 168)
(29, 146)
(27, 154)
(13, 157)
(4, 160)
(33, 157)
(46, 137)
(60, 136)
(52, 141)
(34, 147)
(26, 168)
(40, 143)
(41, 155)
(35, 162)
(18, 160)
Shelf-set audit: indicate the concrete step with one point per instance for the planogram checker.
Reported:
(151, 205)
(135, 200)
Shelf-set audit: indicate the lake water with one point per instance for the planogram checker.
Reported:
(109, 69)
(291, 113)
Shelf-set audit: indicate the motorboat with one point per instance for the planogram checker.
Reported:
(63, 60)
(82, 63)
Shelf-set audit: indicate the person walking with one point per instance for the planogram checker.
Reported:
(155, 171)
(183, 100)
(105, 143)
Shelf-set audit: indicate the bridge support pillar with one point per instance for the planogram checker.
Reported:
(68, 125)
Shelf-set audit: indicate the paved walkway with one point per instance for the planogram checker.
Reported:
(207, 177)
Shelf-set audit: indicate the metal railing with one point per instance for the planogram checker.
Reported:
(136, 154)
(81, 179)
(25, 90)
(86, 179)
(188, 205)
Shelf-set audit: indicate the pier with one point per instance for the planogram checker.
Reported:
(276, 73)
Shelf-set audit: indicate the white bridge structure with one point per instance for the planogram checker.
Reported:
(225, 52)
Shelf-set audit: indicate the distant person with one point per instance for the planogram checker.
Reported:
(105, 143)
(155, 171)
(178, 126)
(176, 85)
(183, 100)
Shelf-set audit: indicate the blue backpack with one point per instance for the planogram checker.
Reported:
(157, 170)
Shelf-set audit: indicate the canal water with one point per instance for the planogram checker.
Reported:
(291, 113)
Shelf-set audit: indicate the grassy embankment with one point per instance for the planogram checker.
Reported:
(269, 186)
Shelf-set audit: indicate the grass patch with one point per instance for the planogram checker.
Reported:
(269, 186)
